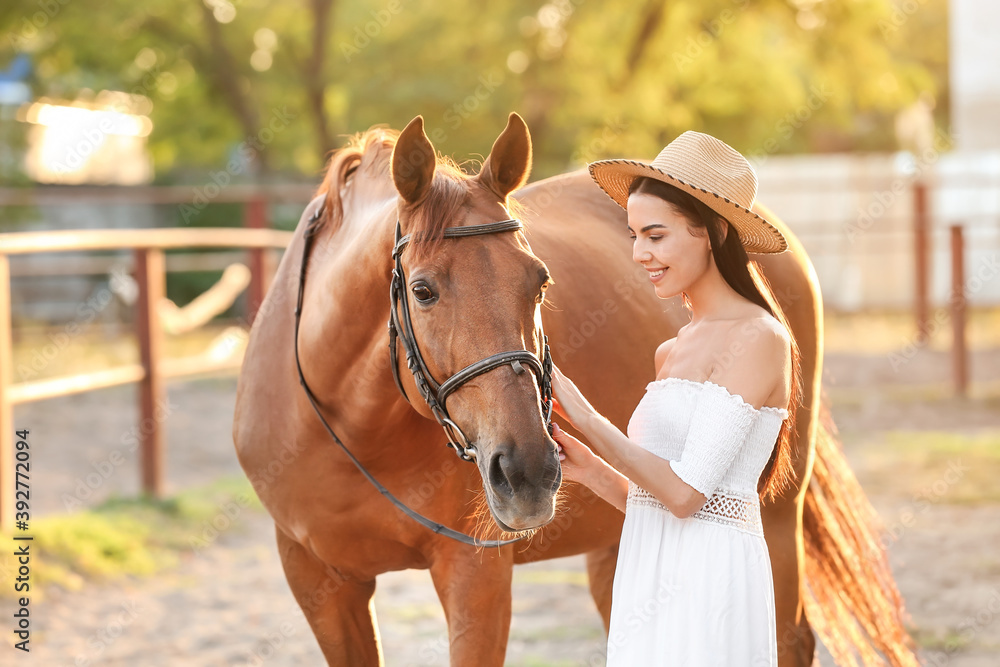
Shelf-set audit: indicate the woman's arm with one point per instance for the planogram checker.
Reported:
(719, 426)
(610, 485)
(628, 461)
(646, 469)
(607, 483)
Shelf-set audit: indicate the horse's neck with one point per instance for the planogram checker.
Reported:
(345, 314)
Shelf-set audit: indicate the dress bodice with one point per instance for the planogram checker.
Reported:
(715, 441)
(662, 419)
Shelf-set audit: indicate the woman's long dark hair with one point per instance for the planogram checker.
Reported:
(745, 277)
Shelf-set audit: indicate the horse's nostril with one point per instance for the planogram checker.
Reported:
(510, 476)
(498, 477)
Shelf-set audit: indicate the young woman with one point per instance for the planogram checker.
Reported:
(710, 437)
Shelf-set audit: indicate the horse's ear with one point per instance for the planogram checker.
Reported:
(509, 163)
(413, 162)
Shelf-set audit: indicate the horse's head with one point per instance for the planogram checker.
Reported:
(472, 297)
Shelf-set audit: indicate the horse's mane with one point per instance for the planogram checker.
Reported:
(376, 144)
(369, 154)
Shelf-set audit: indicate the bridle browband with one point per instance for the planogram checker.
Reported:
(434, 394)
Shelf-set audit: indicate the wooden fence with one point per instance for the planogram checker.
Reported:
(148, 246)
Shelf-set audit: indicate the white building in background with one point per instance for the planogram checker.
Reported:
(974, 73)
(101, 141)
(854, 213)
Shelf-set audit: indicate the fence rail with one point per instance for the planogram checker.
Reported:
(155, 194)
(148, 247)
(20, 243)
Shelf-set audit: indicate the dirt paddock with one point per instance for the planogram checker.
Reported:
(229, 604)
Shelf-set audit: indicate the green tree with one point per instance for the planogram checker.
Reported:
(592, 79)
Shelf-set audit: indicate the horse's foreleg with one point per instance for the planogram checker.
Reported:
(796, 643)
(339, 609)
(474, 588)
(601, 575)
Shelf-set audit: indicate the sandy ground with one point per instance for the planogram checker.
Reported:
(230, 605)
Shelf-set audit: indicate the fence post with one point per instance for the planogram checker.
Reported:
(6, 409)
(920, 250)
(960, 361)
(255, 216)
(150, 273)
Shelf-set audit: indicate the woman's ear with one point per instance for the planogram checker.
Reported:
(723, 229)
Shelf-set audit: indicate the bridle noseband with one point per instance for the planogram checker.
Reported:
(434, 394)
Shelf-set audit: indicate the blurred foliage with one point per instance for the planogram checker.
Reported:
(592, 79)
(929, 467)
(184, 286)
(13, 142)
(128, 536)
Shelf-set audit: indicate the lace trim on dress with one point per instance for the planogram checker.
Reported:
(780, 412)
(729, 508)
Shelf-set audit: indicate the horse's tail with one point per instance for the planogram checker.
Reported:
(852, 600)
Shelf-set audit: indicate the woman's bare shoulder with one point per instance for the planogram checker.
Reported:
(756, 363)
(764, 329)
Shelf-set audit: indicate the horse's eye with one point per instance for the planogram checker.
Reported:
(541, 295)
(423, 293)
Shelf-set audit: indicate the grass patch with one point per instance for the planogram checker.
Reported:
(551, 577)
(127, 536)
(414, 612)
(940, 392)
(537, 661)
(885, 331)
(557, 633)
(929, 445)
(938, 466)
(951, 641)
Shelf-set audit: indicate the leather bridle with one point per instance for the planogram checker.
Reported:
(435, 395)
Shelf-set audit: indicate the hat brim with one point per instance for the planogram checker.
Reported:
(757, 234)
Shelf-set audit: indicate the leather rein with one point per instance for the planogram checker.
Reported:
(433, 393)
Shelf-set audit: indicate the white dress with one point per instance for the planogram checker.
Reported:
(697, 592)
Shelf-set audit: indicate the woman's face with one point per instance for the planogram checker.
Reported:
(674, 253)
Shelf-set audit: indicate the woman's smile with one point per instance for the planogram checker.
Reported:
(656, 274)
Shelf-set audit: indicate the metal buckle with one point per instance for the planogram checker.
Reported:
(466, 451)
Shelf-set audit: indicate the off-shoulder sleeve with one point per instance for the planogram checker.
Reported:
(719, 426)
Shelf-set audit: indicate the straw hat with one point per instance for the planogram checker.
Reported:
(708, 169)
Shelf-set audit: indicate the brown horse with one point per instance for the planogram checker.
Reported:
(570, 269)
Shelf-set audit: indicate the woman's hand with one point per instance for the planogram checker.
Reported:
(569, 402)
(578, 462)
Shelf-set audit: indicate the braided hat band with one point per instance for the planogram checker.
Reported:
(708, 169)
